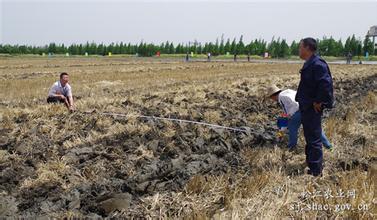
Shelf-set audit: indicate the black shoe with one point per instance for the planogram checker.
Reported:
(314, 174)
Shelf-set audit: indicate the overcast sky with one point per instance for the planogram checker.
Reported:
(41, 22)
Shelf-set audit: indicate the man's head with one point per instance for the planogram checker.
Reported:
(64, 78)
(308, 47)
(273, 92)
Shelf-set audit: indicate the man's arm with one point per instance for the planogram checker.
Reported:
(59, 96)
(70, 102)
(284, 103)
(53, 93)
(324, 87)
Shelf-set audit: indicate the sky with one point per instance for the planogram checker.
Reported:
(39, 22)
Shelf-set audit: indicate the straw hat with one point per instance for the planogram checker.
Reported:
(272, 90)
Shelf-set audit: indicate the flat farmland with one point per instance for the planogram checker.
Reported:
(119, 164)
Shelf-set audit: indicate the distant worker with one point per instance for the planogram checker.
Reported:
(187, 57)
(349, 57)
(235, 57)
(248, 57)
(209, 57)
(61, 92)
(286, 99)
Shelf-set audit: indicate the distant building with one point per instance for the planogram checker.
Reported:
(373, 33)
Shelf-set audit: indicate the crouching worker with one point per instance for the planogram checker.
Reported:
(61, 92)
(286, 99)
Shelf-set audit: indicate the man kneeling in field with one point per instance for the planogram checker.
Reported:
(61, 92)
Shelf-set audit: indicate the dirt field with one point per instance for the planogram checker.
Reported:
(84, 164)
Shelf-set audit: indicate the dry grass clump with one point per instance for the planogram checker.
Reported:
(48, 175)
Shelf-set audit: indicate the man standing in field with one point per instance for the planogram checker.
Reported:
(315, 92)
(349, 57)
(61, 92)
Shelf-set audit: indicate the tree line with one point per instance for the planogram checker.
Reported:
(276, 48)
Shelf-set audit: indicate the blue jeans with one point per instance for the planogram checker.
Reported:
(293, 126)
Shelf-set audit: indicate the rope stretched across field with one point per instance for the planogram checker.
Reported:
(174, 120)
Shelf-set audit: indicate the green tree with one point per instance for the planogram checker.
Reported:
(240, 48)
(284, 49)
(294, 48)
(52, 48)
(227, 47)
(367, 46)
(233, 46)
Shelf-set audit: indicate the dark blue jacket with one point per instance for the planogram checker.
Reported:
(316, 84)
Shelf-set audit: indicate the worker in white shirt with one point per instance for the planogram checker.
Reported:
(286, 99)
(61, 92)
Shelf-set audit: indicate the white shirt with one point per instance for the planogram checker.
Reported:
(287, 101)
(57, 88)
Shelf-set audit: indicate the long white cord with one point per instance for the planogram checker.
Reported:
(173, 119)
